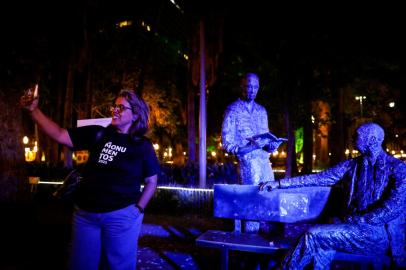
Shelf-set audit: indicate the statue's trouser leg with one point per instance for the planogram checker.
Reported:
(320, 243)
(253, 171)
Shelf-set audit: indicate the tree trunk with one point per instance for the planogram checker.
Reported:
(191, 124)
(13, 177)
(89, 91)
(202, 110)
(307, 141)
(88, 64)
(148, 49)
(67, 114)
(338, 134)
(291, 166)
(321, 113)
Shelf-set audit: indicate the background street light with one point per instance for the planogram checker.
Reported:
(360, 98)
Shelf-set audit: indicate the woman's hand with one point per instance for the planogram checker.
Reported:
(29, 100)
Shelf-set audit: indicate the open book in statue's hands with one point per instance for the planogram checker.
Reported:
(268, 141)
(268, 136)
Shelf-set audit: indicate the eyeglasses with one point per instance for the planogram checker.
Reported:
(119, 107)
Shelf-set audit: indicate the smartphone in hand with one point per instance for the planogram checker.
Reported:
(36, 91)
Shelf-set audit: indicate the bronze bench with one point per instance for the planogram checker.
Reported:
(244, 202)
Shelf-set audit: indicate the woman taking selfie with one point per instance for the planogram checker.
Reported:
(109, 204)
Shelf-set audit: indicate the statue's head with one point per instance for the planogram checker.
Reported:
(369, 138)
(249, 86)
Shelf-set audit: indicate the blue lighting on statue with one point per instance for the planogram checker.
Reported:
(374, 194)
(245, 133)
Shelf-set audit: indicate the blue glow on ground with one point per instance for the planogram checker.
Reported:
(150, 259)
(154, 230)
(182, 260)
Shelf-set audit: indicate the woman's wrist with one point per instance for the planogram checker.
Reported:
(31, 111)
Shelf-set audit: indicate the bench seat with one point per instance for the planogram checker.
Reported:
(257, 243)
(242, 241)
(248, 242)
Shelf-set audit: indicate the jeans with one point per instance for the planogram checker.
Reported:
(110, 238)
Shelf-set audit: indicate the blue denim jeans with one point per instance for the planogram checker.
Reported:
(111, 238)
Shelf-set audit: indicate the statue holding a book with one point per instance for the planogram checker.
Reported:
(245, 134)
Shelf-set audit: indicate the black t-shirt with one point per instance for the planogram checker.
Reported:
(115, 169)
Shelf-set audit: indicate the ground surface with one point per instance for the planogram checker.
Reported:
(36, 235)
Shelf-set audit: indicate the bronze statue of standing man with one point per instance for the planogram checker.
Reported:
(243, 121)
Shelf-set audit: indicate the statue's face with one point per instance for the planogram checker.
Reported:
(362, 140)
(250, 88)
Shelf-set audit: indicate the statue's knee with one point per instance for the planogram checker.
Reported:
(314, 231)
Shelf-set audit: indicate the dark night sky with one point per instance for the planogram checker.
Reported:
(373, 29)
(336, 36)
(332, 33)
(258, 17)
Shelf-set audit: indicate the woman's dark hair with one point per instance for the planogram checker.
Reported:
(139, 107)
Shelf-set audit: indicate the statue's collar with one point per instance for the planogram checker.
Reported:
(248, 105)
(375, 156)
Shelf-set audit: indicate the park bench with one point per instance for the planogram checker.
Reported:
(244, 202)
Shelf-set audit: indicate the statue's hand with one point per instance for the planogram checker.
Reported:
(268, 185)
(354, 219)
(272, 146)
(262, 142)
(258, 142)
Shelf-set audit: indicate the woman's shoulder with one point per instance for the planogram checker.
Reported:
(92, 128)
(142, 140)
